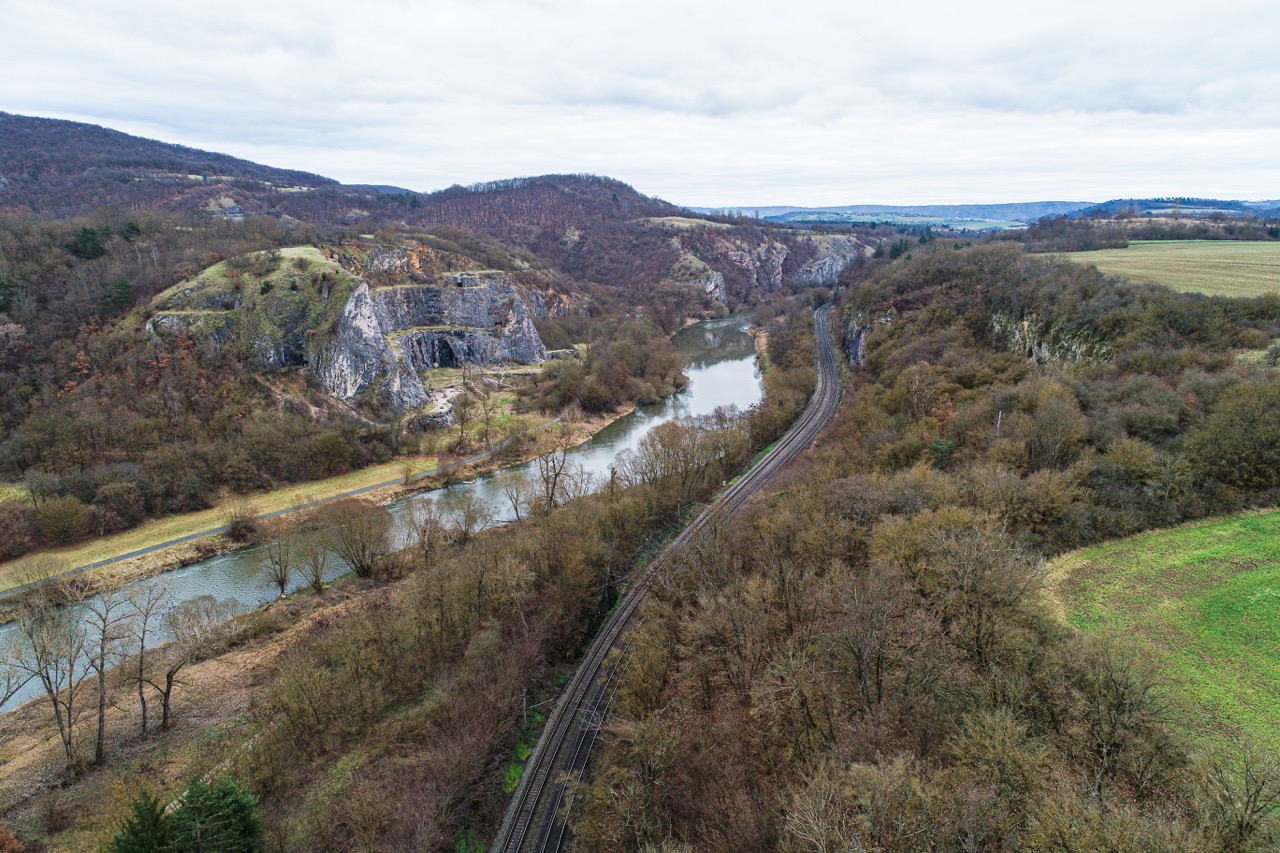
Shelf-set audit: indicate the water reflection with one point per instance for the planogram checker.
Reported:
(722, 372)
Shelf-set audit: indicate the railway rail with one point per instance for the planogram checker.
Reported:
(535, 819)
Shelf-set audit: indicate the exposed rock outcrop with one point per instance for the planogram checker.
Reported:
(712, 286)
(308, 307)
(857, 326)
(763, 263)
(834, 254)
(386, 337)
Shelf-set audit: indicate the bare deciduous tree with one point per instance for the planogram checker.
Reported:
(56, 655)
(198, 626)
(360, 535)
(518, 490)
(469, 516)
(147, 605)
(430, 530)
(279, 558)
(106, 626)
(312, 559)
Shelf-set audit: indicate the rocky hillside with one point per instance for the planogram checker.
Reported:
(362, 318)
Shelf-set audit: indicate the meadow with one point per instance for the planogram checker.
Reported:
(1204, 598)
(1214, 267)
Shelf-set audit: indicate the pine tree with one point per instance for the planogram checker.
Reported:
(147, 830)
(221, 818)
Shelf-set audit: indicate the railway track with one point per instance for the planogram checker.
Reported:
(535, 819)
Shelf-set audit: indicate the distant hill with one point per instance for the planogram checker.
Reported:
(592, 228)
(1181, 206)
(972, 216)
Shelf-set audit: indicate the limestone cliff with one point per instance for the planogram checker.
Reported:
(834, 254)
(386, 337)
(304, 307)
(762, 262)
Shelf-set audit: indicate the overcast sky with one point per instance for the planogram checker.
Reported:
(701, 102)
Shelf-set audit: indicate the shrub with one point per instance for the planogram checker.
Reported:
(242, 521)
(62, 520)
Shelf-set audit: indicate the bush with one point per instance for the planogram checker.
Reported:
(242, 521)
(62, 520)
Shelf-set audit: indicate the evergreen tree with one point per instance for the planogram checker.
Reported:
(147, 830)
(221, 818)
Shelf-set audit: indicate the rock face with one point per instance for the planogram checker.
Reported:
(712, 286)
(763, 262)
(386, 337)
(834, 255)
(857, 325)
(313, 307)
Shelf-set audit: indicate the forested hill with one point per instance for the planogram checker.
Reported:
(61, 168)
(546, 201)
(64, 167)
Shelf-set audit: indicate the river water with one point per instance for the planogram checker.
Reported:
(722, 372)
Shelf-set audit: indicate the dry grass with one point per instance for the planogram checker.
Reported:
(211, 709)
(1214, 267)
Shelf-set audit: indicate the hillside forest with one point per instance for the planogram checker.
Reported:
(868, 661)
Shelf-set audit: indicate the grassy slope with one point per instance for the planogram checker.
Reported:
(1218, 267)
(1206, 598)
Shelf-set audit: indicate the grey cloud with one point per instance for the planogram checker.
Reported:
(709, 102)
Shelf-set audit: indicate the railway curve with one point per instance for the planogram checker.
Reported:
(534, 820)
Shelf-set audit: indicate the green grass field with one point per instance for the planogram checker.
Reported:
(1205, 598)
(1216, 267)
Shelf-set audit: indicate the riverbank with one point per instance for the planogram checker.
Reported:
(177, 541)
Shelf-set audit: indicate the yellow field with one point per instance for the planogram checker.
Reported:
(1215, 267)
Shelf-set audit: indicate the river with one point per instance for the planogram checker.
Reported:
(722, 372)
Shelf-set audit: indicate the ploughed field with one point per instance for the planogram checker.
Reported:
(1215, 267)
(1205, 599)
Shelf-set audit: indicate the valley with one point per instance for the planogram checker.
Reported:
(649, 528)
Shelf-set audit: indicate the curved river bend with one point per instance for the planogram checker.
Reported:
(722, 372)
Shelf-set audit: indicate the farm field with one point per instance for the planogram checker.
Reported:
(1214, 267)
(1205, 598)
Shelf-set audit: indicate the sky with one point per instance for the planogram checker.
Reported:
(700, 102)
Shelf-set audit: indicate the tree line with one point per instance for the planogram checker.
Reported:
(866, 661)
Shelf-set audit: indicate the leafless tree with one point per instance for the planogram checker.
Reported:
(360, 535)
(490, 408)
(550, 484)
(147, 605)
(518, 490)
(56, 654)
(1242, 794)
(430, 530)
(312, 559)
(468, 517)
(198, 626)
(106, 625)
(279, 558)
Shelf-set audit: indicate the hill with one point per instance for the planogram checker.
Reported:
(64, 168)
(959, 216)
(1180, 206)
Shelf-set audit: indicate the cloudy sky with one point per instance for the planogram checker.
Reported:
(701, 102)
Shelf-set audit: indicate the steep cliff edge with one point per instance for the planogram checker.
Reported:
(314, 308)
(387, 337)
